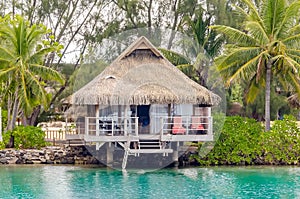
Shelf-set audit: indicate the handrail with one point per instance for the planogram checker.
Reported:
(111, 125)
(123, 126)
(190, 125)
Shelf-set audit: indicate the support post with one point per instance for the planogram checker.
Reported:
(109, 154)
(175, 155)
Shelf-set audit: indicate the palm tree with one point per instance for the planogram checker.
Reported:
(22, 70)
(268, 47)
(206, 44)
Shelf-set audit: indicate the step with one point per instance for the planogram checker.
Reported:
(150, 147)
(149, 142)
(151, 151)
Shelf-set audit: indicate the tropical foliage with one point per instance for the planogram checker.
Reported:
(26, 137)
(237, 143)
(266, 48)
(243, 143)
(23, 74)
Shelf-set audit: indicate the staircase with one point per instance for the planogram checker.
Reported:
(149, 144)
(144, 146)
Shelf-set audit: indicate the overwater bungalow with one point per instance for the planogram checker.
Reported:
(143, 103)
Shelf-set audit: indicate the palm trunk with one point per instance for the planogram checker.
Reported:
(13, 120)
(268, 96)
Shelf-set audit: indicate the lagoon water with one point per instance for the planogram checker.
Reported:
(212, 182)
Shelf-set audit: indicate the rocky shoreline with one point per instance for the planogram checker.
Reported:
(48, 155)
(79, 155)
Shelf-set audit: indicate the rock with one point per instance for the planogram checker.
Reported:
(12, 160)
(28, 161)
(43, 161)
(3, 161)
(49, 162)
(19, 161)
(49, 155)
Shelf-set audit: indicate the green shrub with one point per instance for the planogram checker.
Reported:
(281, 145)
(237, 144)
(26, 137)
(2, 145)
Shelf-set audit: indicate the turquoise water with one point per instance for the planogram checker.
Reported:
(80, 182)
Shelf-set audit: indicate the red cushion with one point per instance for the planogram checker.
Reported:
(178, 130)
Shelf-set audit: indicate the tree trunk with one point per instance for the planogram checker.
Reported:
(176, 15)
(32, 120)
(13, 120)
(268, 96)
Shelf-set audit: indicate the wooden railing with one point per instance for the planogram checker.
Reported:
(57, 134)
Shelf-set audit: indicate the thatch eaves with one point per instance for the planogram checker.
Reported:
(141, 75)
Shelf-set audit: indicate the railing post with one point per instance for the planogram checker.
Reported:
(210, 125)
(187, 123)
(86, 126)
(125, 126)
(136, 125)
(112, 126)
(97, 126)
(161, 127)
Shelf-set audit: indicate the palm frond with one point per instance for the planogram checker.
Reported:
(235, 36)
(292, 40)
(244, 70)
(40, 90)
(23, 97)
(288, 23)
(38, 56)
(6, 54)
(295, 29)
(46, 73)
(253, 10)
(257, 31)
(294, 82)
(174, 57)
(273, 15)
(253, 90)
(6, 71)
(295, 66)
(236, 55)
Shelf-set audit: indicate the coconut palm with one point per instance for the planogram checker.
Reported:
(22, 70)
(205, 45)
(268, 47)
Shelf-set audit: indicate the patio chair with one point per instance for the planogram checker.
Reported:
(177, 126)
(196, 124)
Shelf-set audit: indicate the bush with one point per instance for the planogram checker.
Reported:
(2, 145)
(26, 137)
(281, 145)
(237, 144)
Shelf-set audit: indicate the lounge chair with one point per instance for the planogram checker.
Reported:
(177, 126)
(196, 124)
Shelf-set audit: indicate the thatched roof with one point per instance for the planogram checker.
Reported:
(141, 75)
